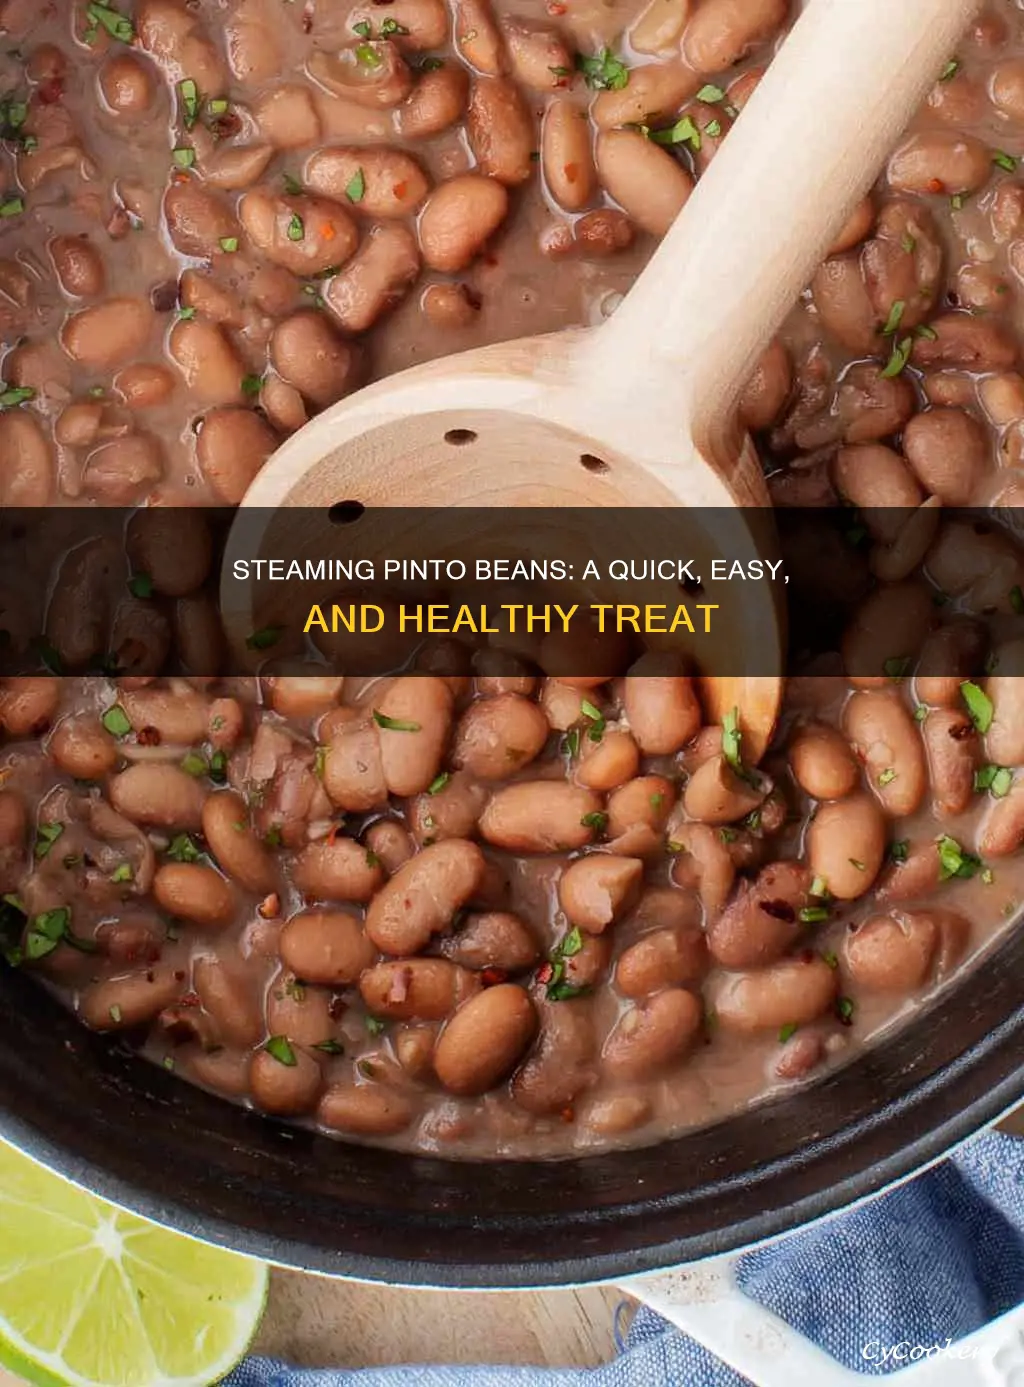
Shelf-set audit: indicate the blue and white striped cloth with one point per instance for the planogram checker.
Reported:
(924, 1265)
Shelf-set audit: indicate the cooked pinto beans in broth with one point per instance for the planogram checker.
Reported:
(481, 912)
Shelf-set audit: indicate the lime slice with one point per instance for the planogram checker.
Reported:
(93, 1297)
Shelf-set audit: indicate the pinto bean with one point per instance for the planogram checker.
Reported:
(887, 633)
(872, 407)
(477, 37)
(597, 889)
(653, 93)
(902, 264)
(494, 939)
(897, 952)
(159, 795)
(29, 470)
(450, 812)
(702, 863)
(144, 385)
(341, 870)
(108, 334)
(122, 1003)
(497, 736)
(856, 227)
(435, 103)
(353, 772)
(762, 920)
(539, 57)
(877, 480)
(78, 266)
(540, 816)
(652, 1034)
(608, 763)
(1004, 740)
(375, 85)
(197, 219)
(390, 843)
(485, 1038)
(915, 876)
(1002, 831)
(766, 392)
(646, 181)
(207, 360)
(950, 655)
(326, 946)
(287, 117)
(792, 992)
(366, 1110)
(565, 153)
(282, 1089)
(603, 232)
(82, 747)
(393, 184)
(227, 994)
(173, 546)
(178, 43)
(822, 762)
(665, 957)
(232, 446)
(376, 279)
(117, 470)
(562, 1063)
(939, 161)
(662, 712)
(885, 738)
(425, 989)
(413, 719)
(196, 893)
(642, 803)
(715, 794)
(127, 85)
(721, 32)
(949, 452)
(237, 850)
(450, 306)
(500, 130)
(460, 216)
(308, 354)
(846, 844)
(423, 896)
(28, 706)
(298, 1011)
(951, 744)
(304, 234)
(844, 305)
(976, 344)
(660, 26)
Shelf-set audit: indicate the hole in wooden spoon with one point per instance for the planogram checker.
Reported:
(593, 464)
(345, 512)
(458, 438)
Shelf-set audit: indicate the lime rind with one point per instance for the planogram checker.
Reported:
(91, 1296)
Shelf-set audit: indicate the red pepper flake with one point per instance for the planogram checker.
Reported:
(556, 8)
(332, 836)
(400, 189)
(572, 172)
(327, 231)
(179, 177)
(568, 1114)
(936, 185)
(545, 973)
(189, 999)
(491, 977)
(50, 91)
(148, 736)
(270, 906)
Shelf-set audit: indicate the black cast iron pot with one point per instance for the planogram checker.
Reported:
(86, 1106)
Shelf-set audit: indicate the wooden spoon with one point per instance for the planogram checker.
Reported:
(648, 399)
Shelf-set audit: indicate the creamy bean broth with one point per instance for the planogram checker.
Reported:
(476, 911)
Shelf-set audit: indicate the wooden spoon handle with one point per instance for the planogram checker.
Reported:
(806, 148)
